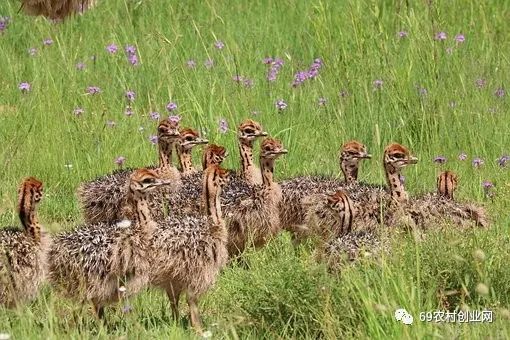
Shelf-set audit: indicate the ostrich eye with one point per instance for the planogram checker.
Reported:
(189, 139)
(399, 155)
(162, 130)
(249, 131)
(148, 180)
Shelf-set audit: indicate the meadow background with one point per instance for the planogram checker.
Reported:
(431, 75)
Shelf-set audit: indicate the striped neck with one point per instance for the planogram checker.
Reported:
(185, 160)
(397, 190)
(349, 169)
(267, 170)
(28, 218)
(211, 197)
(247, 167)
(165, 154)
(141, 212)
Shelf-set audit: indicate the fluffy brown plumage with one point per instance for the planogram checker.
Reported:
(103, 200)
(341, 238)
(91, 262)
(56, 9)
(187, 199)
(23, 251)
(292, 210)
(438, 209)
(189, 251)
(255, 218)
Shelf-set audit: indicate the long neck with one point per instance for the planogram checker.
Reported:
(397, 189)
(350, 170)
(141, 212)
(211, 198)
(267, 170)
(165, 154)
(28, 218)
(246, 152)
(185, 160)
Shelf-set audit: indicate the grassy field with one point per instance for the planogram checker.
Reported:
(387, 75)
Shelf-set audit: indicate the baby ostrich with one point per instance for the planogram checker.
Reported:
(437, 209)
(189, 138)
(292, 211)
(92, 261)
(23, 252)
(187, 199)
(104, 199)
(255, 218)
(333, 219)
(375, 203)
(189, 251)
(248, 132)
(56, 9)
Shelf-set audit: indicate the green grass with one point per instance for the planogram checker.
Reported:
(284, 293)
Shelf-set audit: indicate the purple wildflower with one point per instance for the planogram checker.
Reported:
(441, 36)
(322, 101)
(120, 160)
(223, 126)
(267, 60)
(462, 157)
(460, 38)
(129, 111)
(299, 78)
(110, 123)
(378, 84)
(78, 111)
(32, 51)
(274, 69)
(130, 96)
(133, 59)
(153, 139)
(248, 83)
(209, 63)
(24, 87)
(503, 160)
(237, 78)
(93, 90)
(500, 92)
(480, 83)
(80, 66)
(112, 48)
(48, 41)
(191, 63)
(174, 118)
(422, 91)
(280, 105)
(155, 115)
(440, 159)
(127, 309)
(170, 107)
(130, 49)
(219, 44)
(343, 94)
(477, 162)
(487, 184)
(403, 34)
(487, 188)
(4, 23)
